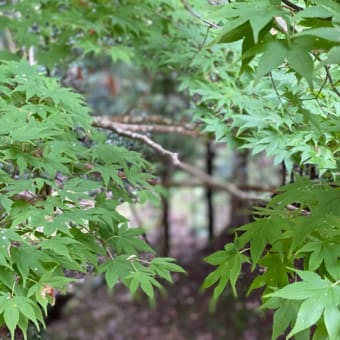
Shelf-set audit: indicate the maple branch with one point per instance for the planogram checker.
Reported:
(144, 119)
(159, 128)
(173, 156)
(191, 184)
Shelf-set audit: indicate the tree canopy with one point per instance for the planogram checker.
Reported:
(261, 76)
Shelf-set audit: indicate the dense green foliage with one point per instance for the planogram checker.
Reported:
(261, 75)
(61, 183)
(296, 238)
(60, 187)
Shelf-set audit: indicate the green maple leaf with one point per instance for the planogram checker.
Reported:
(229, 262)
(260, 233)
(320, 299)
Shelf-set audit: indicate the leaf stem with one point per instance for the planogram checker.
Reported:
(143, 261)
(134, 267)
(13, 286)
(335, 283)
(244, 250)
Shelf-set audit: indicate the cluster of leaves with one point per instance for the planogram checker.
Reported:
(298, 250)
(61, 184)
(61, 30)
(285, 103)
(297, 121)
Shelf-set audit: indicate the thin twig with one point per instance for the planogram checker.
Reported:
(277, 91)
(202, 44)
(329, 76)
(173, 156)
(196, 15)
(279, 96)
(292, 6)
(205, 38)
(321, 88)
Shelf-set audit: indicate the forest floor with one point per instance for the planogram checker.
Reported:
(180, 313)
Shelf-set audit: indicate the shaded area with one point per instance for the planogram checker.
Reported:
(181, 312)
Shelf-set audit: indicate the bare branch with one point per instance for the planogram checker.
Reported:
(142, 118)
(192, 170)
(192, 184)
(158, 128)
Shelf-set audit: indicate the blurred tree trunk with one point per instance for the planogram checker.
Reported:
(239, 214)
(209, 157)
(165, 203)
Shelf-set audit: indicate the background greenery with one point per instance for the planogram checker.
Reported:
(260, 76)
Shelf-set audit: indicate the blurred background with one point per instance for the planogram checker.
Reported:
(188, 222)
